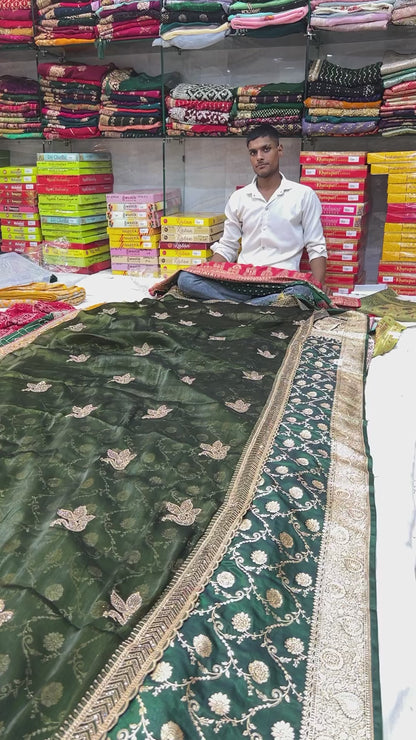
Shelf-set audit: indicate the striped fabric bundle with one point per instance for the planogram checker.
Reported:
(279, 104)
(398, 108)
(199, 110)
(16, 25)
(193, 24)
(349, 15)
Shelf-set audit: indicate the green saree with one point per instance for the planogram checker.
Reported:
(186, 521)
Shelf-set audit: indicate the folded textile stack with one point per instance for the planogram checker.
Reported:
(199, 109)
(16, 24)
(63, 23)
(340, 181)
(71, 97)
(134, 219)
(131, 104)
(404, 13)
(72, 207)
(193, 24)
(349, 15)
(127, 19)
(19, 108)
(19, 212)
(187, 239)
(397, 267)
(279, 104)
(41, 291)
(268, 19)
(342, 101)
(398, 107)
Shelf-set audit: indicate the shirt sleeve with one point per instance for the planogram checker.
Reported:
(314, 239)
(229, 244)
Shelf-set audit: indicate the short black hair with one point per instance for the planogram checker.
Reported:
(265, 129)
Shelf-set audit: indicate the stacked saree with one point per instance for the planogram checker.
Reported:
(193, 24)
(19, 108)
(127, 20)
(62, 23)
(404, 13)
(348, 15)
(268, 19)
(199, 109)
(279, 104)
(342, 101)
(131, 104)
(71, 99)
(398, 109)
(16, 24)
(191, 478)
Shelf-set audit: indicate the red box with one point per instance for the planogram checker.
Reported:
(333, 157)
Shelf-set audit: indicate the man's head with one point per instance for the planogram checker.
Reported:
(264, 149)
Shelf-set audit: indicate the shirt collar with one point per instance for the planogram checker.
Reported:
(284, 185)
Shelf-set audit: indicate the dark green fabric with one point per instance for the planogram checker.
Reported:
(69, 408)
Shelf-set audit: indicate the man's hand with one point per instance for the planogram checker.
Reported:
(217, 258)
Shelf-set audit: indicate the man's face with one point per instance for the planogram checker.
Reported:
(264, 156)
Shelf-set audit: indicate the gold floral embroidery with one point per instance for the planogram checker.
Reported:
(123, 379)
(77, 327)
(119, 460)
(219, 703)
(279, 335)
(239, 405)
(144, 350)
(252, 375)
(5, 615)
(78, 358)
(123, 610)
(202, 645)
(185, 514)
(259, 671)
(266, 353)
(187, 379)
(81, 411)
(217, 450)
(38, 387)
(161, 315)
(75, 520)
(171, 731)
(187, 323)
(157, 413)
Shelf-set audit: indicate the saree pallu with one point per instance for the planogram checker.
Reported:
(175, 448)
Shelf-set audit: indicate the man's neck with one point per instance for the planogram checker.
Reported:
(268, 185)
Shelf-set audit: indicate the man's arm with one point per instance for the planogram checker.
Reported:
(318, 269)
(226, 248)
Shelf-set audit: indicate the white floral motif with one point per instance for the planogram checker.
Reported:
(77, 327)
(214, 313)
(259, 557)
(286, 539)
(187, 323)
(78, 358)
(123, 610)
(313, 525)
(273, 507)
(259, 671)
(5, 615)
(119, 460)
(202, 645)
(217, 450)
(158, 413)
(294, 645)
(186, 379)
(253, 375)
(184, 514)
(295, 492)
(245, 525)
(38, 387)
(123, 379)
(219, 703)
(161, 315)
(303, 579)
(144, 350)
(282, 731)
(274, 597)
(239, 405)
(81, 411)
(171, 731)
(110, 311)
(266, 353)
(75, 520)
(162, 672)
(279, 335)
(226, 579)
(241, 622)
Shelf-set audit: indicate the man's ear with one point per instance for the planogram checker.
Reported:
(280, 148)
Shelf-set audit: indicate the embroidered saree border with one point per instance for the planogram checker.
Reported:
(342, 695)
(22, 341)
(119, 682)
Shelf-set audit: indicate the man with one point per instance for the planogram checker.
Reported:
(273, 217)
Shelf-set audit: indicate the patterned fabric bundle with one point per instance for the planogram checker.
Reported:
(199, 110)
(404, 13)
(268, 19)
(62, 23)
(127, 19)
(348, 15)
(16, 26)
(131, 104)
(193, 24)
(398, 108)
(71, 99)
(342, 101)
(279, 104)
(19, 108)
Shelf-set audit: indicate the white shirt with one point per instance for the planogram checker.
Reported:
(273, 232)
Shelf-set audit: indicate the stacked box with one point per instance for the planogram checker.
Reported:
(19, 212)
(397, 267)
(340, 181)
(134, 226)
(72, 203)
(187, 239)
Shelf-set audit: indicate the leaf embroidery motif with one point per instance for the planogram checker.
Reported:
(110, 311)
(215, 313)
(75, 520)
(157, 413)
(145, 349)
(123, 379)
(81, 411)
(123, 610)
(78, 358)
(239, 405)
(279, 335)
(218, 450)
(119, 460)
(266, 353)
(252, 375)
(187, 379)
(5, 615)
(186, 323)
(184, 514)
(161, 315)
(77, 327)
(38, 387)
(217, 339)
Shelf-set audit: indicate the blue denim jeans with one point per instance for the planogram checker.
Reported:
(207, 289)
